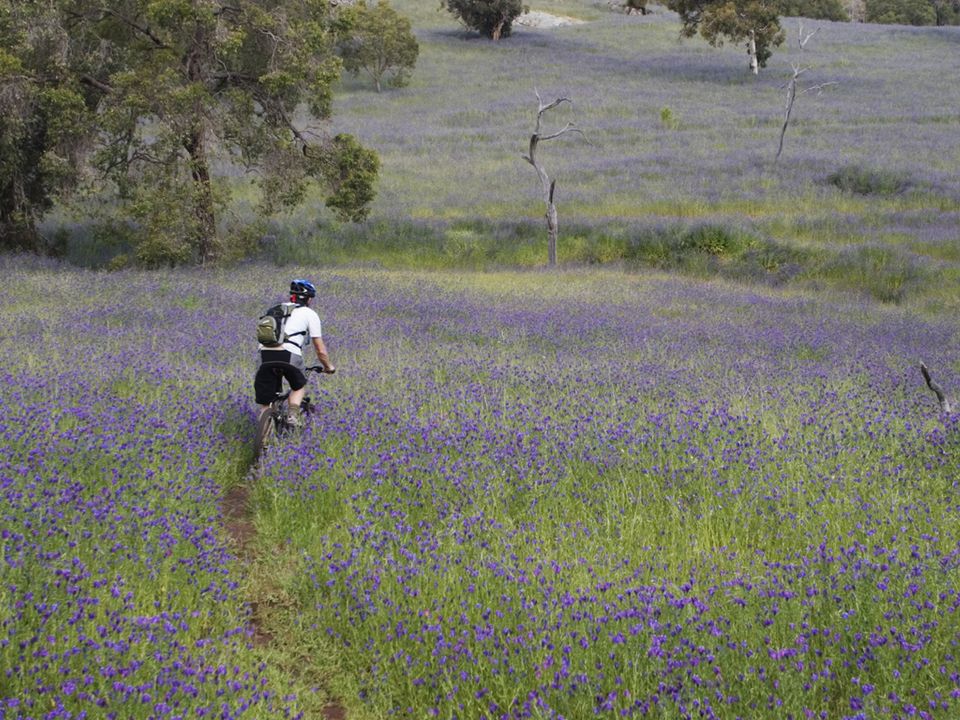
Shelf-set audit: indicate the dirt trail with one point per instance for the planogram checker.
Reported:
(238, 522)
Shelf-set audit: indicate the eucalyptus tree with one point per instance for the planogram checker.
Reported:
(491, 18)
(170, 87)
(44, 118)
(377, 40)
(902, 12)
(753, 22)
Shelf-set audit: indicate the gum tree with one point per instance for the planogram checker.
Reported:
(753, 22)
(175, 86)
(44, 120)
(491, 18)
(377, 40)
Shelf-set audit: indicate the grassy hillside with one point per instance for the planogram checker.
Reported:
(677, 135)
(674, 131)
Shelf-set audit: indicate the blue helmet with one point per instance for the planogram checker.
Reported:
(303, 290)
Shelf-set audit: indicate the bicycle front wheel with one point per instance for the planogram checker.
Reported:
(266, 432)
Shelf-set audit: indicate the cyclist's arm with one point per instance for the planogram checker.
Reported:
(322, 355)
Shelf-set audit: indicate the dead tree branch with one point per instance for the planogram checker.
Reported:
(942, 398)
(548, 186)
(791, 86)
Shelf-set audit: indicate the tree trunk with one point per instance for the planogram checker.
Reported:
(791, 97)
(552, 227)
(752, 51)
(548, 185)
(498, 30)
(203, 206)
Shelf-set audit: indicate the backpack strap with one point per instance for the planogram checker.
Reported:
(287, 338)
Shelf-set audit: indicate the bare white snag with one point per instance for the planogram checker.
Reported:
(791, 85)
(942, 398)
(548, 186)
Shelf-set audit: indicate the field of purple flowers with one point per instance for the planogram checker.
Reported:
(451, 142)
(675, 132)
(525, 495)
(118, 595)
(636, 498)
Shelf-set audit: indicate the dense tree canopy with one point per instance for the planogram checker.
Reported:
(814, 9)
(44, 118)
(491, 18)
(157, 91)
(754, 21)
(377, 40)
(901, 12)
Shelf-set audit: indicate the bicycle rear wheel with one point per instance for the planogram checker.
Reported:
(266, 432)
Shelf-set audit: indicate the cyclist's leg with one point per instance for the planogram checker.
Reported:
(297, 379)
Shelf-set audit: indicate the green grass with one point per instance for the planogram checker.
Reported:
(676, 136)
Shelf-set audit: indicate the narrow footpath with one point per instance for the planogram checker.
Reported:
(237, 514)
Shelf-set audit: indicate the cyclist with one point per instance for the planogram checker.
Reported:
(303, 324)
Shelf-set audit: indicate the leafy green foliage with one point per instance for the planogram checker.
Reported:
(350, 169)
(491, 18)
(669, 119)
(44, 116)
(901, 12)
(814, 9)
(733, 20)
(175, 86)
(377, 40)
(946, 12)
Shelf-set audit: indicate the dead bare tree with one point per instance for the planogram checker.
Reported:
(548, 185)
(791, 85)
(942, 398)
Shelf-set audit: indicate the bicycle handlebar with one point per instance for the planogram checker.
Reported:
(319, 369)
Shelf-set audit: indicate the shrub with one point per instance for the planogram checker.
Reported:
(379, 41)
(864, 181)
(717, 240)
(491, 18)
(351, 171)
(669, 119)
(881, 272)
(770, 262)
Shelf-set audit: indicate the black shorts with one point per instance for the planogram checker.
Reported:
(268, 381)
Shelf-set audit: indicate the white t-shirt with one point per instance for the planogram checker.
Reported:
(301, 319)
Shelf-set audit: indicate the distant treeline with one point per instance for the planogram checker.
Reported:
(889, 12)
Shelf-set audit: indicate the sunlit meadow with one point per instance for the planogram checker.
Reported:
(524, 495)
(673, 130)
(592, 492)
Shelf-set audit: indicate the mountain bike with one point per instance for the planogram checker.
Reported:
(273, 422)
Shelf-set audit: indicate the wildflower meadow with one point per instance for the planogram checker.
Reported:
(691, 472)
(523, 495)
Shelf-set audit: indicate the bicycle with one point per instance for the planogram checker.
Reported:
(273, 422)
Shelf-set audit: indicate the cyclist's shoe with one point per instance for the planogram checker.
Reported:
(295, 417)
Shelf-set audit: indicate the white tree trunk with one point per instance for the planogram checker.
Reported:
(548, 186)
(752, 51)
